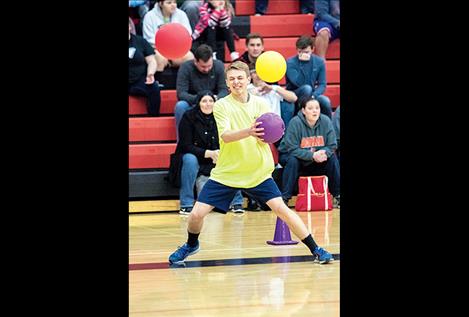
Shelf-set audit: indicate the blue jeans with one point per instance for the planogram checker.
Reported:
(306, 6)
(181, 107)
(292, 167)
(306, 91)
(190, 169)
(287, 111)
(152, 92)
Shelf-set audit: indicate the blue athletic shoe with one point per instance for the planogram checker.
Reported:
(182, 253)
(322, 255)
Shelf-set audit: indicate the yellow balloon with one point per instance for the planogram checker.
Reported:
(271, 66)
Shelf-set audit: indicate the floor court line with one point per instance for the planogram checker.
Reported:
(226, 262)
(253, 249)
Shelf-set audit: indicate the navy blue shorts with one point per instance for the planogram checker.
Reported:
(319, 25)
(220, 196)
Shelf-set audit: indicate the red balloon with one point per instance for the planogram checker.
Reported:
(173, 41)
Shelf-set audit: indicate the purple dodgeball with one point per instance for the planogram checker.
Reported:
(273, 127)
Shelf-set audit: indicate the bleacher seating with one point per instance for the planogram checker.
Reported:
(137, 105)
(247, 7)
(153, 139)
(154, 155)
(152, 129)
(286, 47)
(282, 25)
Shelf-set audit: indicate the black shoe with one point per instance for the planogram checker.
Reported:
(253, 205)
(238, 209)
(185, 210)
(336, 202)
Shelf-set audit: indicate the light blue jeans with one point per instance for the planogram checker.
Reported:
(191, 8)
(190, 169)
(179, 109)
(287, 111)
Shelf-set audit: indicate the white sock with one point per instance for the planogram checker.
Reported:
(234, 55)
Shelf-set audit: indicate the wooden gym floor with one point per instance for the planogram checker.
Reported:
(236, 273)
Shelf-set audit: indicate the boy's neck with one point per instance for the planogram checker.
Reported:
(243, 98)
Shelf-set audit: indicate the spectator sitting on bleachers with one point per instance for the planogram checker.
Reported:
(336, 125)
(202, 73)
(200, 147)
(306, 6)
(142, 7)
(142, 68)
(254, 48)
(138, 9)
(132, 26)
(308, 147)
(165, 11)
(306, 75)
(326, 24)
(191, 8)
(215, 15)
(280, 100)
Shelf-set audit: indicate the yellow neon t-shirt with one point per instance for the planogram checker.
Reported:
(245, 163)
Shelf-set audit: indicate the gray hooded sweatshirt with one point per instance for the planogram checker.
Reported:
(302, 141)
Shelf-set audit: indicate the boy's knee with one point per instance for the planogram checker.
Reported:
(189, 158)
(293, 161)
(324, 34)
(196, 216)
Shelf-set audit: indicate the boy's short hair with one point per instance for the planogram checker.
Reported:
(203, 52)
(254, 36)
(304, 41)
(238, 65)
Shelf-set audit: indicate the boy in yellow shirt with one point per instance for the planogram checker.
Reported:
(244, 162)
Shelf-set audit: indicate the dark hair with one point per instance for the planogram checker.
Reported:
(202, 94)
(253, 36)
(305, 100)
(203, 52)
(304, 41)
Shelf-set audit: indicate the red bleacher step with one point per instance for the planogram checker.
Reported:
(332, 73)
(247, 7)
(157, 155)
(150, 155)
(285, 46)
(333, 92)
(282, 25)
(152, 129)
(274, 153)
(137, 105)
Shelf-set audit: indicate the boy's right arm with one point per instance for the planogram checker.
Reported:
(224, 128)
(232, 136)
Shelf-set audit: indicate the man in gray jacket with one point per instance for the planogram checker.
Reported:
(201, 73)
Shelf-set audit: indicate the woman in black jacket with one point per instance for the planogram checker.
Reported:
(198, 142)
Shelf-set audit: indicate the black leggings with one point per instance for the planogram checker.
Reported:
(226, 33)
